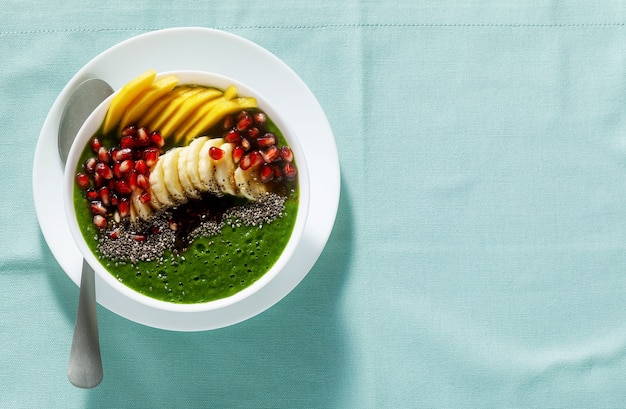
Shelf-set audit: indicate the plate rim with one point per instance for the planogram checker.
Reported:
(318, 233)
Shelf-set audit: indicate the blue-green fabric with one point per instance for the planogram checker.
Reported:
(479, 253)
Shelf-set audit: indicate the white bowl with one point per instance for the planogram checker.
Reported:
(91, 126)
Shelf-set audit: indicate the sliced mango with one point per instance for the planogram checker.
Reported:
(219, 111)
(188, 106)
(146, 99)
(169, 110)
(159, 105)
(124, 97)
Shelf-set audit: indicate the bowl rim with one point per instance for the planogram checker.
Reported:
(206, 78)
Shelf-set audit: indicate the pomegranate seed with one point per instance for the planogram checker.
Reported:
(140, 237)
(229, 121)
(104, 171)
(127, 165)
(144, 197)
(286, 154)
(92, 195)
(96, 207)
(114, 234)
(124, 207)
(104, 194)
(232, 137)
(90, 165)
(96, 145)
(257, 158)
(131, 179)
(143, 182)
(151, 155)
(216, 153)
(143, 138)
(122, 154)
(155, 230)
(127, 142)
(103, 155)
(173, 225)
(122, 187)
(140, 167)
(289, 170)
(117, 171)
(129, 131)
(100, 221)
(82, 180)
(114, 199)
(244, 123)
(259, 118)
(267, 173)
(266, 140)
(157, 139)
(237, 154)
(278, 173)
(253, 133)
(98, 180)
(245, 162)
(245, 144)
(270, 154)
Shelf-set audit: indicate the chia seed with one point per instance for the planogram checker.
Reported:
(207, 223)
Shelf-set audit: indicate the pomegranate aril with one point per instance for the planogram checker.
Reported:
(232, 137)
(83, 180)
(245, 162)
(245, 144)
(144, 197)
(127, 142)
(244, 122)
(257, 158)
(143, 182)
(104, 171)
(278, 173)
(114, 199)
(92, 194)
(271, 154)
(253, 133)
(229, 121)
(267, 173)
(117, 171)
(140, 167)
(124, 207)
(105, 195)
(286, 154)
(157, 139)
(216, 153)
(122, 154)
(131, 179)
(142, 137)
(122, 187)
(259, 118)
(238, 152)
(90, 165)
(103, 155)
(151, 155)
(140, 237)
(127, 165)
(289, 170)
(98, 180)
(100, 221)
(95, 145)
(129, 131)
(155, 230)
(114, 234)
(266, 140)
(96, 207)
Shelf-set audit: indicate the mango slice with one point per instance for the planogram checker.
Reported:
(124, 97)
(141, 104)
(218, 112)
(188, 106)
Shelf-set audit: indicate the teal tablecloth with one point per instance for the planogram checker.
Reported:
(479, 253)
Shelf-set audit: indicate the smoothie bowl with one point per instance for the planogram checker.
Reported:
(186, 191)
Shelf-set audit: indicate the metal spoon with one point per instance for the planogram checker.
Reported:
(85, 364)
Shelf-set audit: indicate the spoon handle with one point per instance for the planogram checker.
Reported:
(85, 365)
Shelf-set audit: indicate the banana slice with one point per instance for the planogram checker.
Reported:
(185, 181)
(170, 175)
(193, 166)
(224, 170)
(142, 210)
(249, 183)
(159, 192)
(206, 167)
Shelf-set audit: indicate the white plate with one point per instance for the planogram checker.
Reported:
(222, 53)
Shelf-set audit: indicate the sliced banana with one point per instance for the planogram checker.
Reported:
(157, 187)
(249, 183)
(206, 166)
(193, 166)
(170, 175)
(185, 181)
(224, 169)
